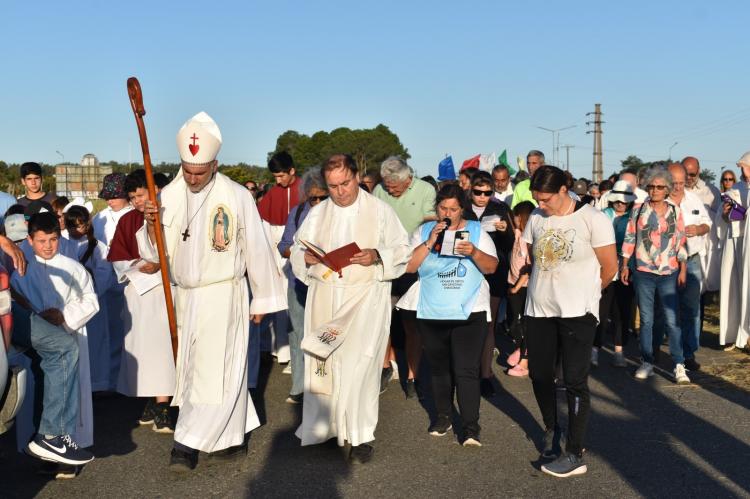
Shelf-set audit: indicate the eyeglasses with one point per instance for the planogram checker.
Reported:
(480, 192)
(727, 179)
(692, 174)
(252, 189)
(652, 187)
(318, 198)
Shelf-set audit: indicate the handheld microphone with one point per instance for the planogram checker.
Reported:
(439, 243)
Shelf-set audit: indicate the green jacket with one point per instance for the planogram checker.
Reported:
(522, 192)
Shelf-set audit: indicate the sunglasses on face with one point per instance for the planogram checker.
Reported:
(318, 198)
(480, 192)
(727, 179)
(652, 187)
(252, 189)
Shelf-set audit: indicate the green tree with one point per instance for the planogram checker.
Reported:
(369, 147)
(708, 176)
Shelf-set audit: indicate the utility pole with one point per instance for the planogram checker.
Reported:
(598, 169)
(555, 141)
(567, 148)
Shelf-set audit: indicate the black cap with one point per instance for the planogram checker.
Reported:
(36, 206)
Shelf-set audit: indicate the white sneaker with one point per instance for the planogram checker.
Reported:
(595, 357)
(287, 369)
(394, 365)
(680, 376)
(645, 371)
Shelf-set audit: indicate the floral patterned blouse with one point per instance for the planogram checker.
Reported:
(659, 243)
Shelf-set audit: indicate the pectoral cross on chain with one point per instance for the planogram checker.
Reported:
(186, 234)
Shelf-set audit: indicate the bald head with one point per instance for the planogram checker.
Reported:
(678, 178)
(630, 178)
(693, 170)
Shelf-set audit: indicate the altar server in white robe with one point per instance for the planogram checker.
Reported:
(81, 245)
(347, 316)
(734, 320)
(104, 224)
(213, 235)
(60, 293)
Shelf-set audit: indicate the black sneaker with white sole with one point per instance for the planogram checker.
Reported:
(148, 413)
(440, 427)
(60, 449)
(163, 422)
(565, 466)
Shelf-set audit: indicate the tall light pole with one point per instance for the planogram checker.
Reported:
(670, 150)
(555, 140)
(567, 148)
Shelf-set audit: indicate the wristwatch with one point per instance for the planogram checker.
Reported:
(379, 260)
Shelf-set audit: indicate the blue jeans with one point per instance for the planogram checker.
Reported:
(647, 285)
(296, 297)
(690, 307)
(58, 350)
(253, 350)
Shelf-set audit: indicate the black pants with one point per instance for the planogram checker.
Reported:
(516, 306)
(573, 337)
(606, 310)
(454, 350)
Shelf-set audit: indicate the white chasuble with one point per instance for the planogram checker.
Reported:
(64, 284)
(342, 379)
(213, 237)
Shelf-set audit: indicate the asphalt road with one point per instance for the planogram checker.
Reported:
(646, 439)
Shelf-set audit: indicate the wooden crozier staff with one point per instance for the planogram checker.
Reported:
(136, 102)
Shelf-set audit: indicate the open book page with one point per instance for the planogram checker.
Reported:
(141, 281)
(316, 251)
(449, 242)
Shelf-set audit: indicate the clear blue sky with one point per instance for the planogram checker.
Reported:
(447, 77)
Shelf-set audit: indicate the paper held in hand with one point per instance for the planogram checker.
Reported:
(488, 223)
(449, 242)
(335, 260)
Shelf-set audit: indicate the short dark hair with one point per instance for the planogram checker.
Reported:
(45, 221)
(134, 180)
(452, 191)
(281, 162)
(30, 168)
(499, 168)
(469, 172)
(481, 178)
(548, 179)
(161, 180)
(340, 161)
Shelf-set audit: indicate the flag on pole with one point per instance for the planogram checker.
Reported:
(487, 162)
(472, 162)
(521, 163)
(446, 170)
(503, 160)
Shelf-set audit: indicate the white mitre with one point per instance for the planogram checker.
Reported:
(199, 140)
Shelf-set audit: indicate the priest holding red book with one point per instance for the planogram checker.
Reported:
(347, 317)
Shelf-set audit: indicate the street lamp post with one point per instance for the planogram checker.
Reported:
(670, 150)
(555, 140)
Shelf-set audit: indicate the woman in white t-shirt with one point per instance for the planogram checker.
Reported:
(573, 252)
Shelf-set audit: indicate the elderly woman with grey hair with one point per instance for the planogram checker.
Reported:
(656, 238)
(313, 190)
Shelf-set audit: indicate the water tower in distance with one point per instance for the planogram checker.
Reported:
(84, 179)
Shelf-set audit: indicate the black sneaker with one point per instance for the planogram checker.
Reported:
(551, 444)
(486, 388)
(148, 412)
(411, 389)
(61, 449)
(58, 470)
(565, 466)
(361, 454)
(692, 365)
(163, 422)
(471, 439)
(181, 461)
(385, 378)
(440, 427)
(236, 452)
(295, 399)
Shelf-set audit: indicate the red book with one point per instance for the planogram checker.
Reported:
(337, 259)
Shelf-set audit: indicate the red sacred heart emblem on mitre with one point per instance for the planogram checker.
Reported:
(194, 147)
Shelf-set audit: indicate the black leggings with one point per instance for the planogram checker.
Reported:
(454, 350)
(573, 337)
(516, 306)
(616, 304)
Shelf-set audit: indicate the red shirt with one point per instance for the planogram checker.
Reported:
(275, 206)
(124, 245)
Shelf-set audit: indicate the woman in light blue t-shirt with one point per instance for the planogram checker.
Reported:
(452, 301)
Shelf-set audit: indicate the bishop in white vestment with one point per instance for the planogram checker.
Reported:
(213, 237)
(347, 316)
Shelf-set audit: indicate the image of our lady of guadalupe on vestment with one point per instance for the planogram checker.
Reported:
(220, 230)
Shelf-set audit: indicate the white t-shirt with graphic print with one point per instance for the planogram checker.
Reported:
(565, 276)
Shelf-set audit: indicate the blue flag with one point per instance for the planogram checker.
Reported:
(446, 170)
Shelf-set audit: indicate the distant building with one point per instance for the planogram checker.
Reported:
(84, 180)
